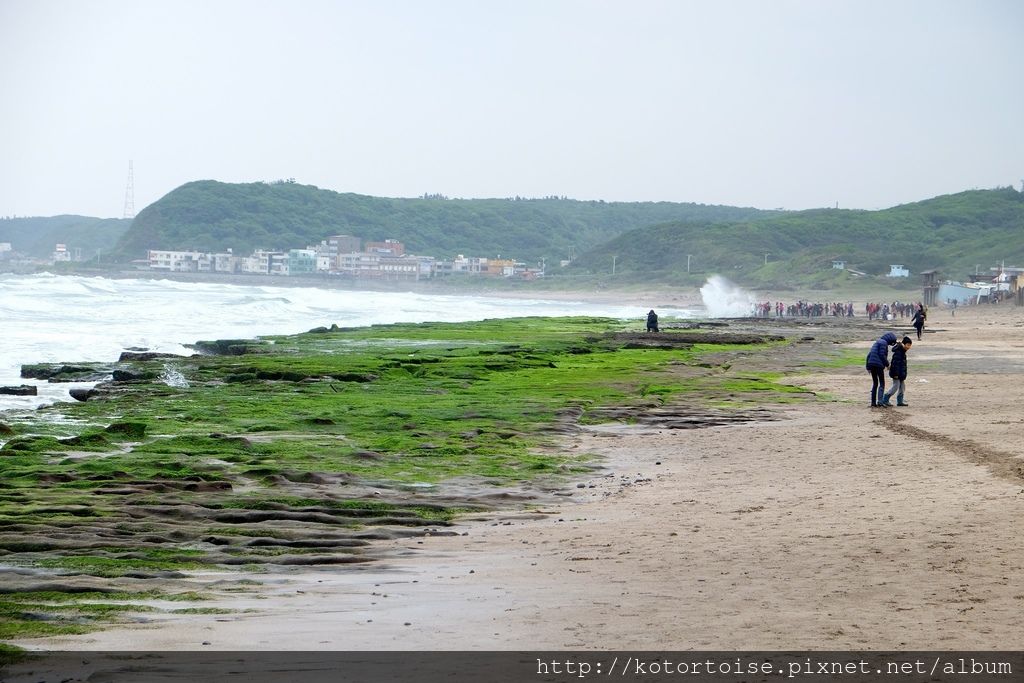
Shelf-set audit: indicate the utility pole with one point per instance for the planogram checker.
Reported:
(688, 263)
(613, 264)
(766, 255)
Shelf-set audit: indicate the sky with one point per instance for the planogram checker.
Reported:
(790, 104)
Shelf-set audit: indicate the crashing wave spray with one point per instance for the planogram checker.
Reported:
(172, 377)
(723, 299)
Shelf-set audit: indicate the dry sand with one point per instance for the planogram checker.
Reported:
(836, 526)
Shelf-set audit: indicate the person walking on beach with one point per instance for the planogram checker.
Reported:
(898, 372)
(652, 321)
(877, 362)
(918, 320)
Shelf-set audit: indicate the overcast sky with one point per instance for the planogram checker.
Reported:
(795, 104)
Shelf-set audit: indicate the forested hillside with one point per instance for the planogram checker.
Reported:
(212, 216)
(954, 233)
(37, 237)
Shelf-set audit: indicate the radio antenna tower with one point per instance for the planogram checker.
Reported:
(129, 194)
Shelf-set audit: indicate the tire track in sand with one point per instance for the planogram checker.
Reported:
(1000, 463)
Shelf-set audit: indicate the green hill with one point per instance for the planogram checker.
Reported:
(953, 233)
(212, 216)
(37, 237)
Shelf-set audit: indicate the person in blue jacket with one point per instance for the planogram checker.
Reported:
(877, 362)
(898, 372)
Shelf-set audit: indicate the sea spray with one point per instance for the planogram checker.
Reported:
(172, 377)
(723, 299)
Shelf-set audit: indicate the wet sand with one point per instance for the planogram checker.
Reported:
(833, 526)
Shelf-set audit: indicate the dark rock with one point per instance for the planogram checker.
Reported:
(133, 430)
(227, 347)
(368, 455)
(96, 439)
(284, 375)
(133, 375)
(354, 377)
(305, 477)
(237, 440)
(145, 355)
(59, 372)
(50, 477)
(20, 390)
(81, 394)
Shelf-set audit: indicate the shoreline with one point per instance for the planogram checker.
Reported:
(439, 288)
(664, 296)
(831, 527)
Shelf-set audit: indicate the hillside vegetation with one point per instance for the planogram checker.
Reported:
(953, 233)
(38, 236)
(213, 216)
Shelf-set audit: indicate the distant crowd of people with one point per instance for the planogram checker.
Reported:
(891, 311)
(807, 309)
(802, 309)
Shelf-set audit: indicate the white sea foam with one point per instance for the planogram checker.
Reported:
(723, 299)
(55, 318)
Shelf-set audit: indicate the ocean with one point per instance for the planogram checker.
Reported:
(48, 318)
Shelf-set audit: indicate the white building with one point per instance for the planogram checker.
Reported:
(898, 270)
(472, 264)
(963, 292)
(264, 262)
(358, 263)
(277, 262)
(180, 261)
(225, 263)
(325, 263)
(61, 253)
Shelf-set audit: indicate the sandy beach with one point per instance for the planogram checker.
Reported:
(824, 525)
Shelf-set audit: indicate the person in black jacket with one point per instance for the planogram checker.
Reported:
(898, 372)
(876, 363)
(652, 321)
(918, 320)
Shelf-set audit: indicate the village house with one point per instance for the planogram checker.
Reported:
(338, 255)
(462, 264)
(180, 261)
(61, 253)
(302, 261)
(388, 247)
(500, 267)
